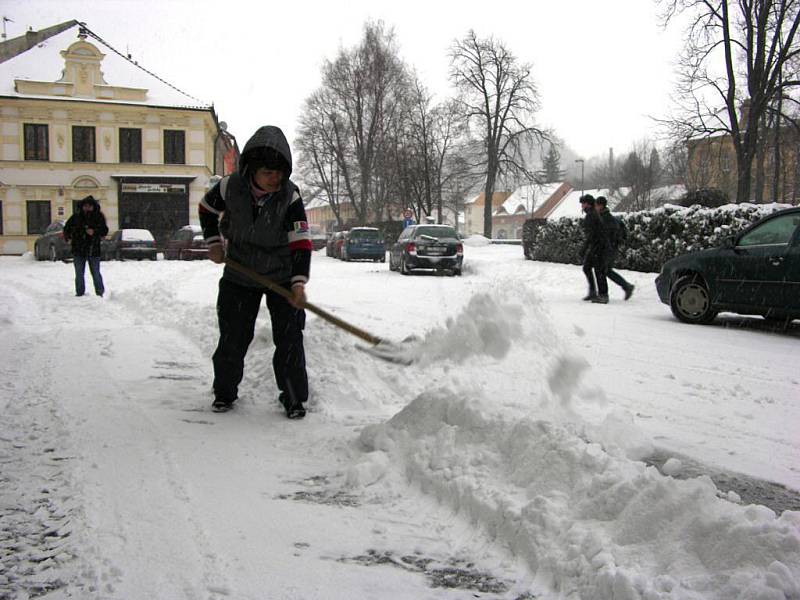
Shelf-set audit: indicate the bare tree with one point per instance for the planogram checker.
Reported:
(731, 70)
(497, 94)
(353, 115)
(319, 141)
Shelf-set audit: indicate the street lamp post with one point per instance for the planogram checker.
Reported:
(580, 160)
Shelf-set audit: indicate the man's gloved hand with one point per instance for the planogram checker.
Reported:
(216, 253)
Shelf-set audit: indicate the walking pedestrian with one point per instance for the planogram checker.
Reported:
(84, 230)
(256, 216)
(594, 252)
(616, 234)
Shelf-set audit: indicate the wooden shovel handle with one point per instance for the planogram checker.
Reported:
(279, 289)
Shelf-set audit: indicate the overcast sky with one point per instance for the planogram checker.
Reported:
(602, 67)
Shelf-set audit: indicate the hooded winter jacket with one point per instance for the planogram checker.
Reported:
(76, 229)
(268, 233)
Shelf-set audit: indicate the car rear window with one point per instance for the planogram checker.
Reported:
(365, 234)
(437, 232)
(136, 235)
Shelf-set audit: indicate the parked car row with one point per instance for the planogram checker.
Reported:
(186, 243)
(358, 243)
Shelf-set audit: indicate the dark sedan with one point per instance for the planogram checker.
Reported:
(436, 247)
(756, 272)
(186, 244)
(333, 248)
(129, 243)
(51, 245)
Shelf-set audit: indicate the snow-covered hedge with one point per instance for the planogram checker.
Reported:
(654, 236)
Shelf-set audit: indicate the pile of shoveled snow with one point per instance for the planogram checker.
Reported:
(477, 240)
(589, 521)
(487, 325)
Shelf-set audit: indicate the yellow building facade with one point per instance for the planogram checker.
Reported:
(105, 127)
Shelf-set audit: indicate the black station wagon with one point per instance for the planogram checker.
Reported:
(436, 247)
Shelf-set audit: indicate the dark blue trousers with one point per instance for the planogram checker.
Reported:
(79, 262)
(237, 309)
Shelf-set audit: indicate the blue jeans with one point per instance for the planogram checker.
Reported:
(94, 269)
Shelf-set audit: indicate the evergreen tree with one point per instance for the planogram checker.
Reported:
(551, 166)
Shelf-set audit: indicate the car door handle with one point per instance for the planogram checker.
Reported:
(775, 261)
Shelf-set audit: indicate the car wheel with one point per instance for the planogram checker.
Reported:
(403, 268)
(53, 255)
(118, 255)
(690, 300)
(383, 258)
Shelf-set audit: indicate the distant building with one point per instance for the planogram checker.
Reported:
(712, 164)
(510, 216)
(474, 207)
(569, 204)
(77, 118)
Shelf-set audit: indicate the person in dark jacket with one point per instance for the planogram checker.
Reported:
(615, 232)
(256, 217)
(84, 230)
(594, 252)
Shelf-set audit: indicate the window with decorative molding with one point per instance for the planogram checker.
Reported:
(36, 142)
(130, 145)
(83, 145)
(174, 147)
(38, 213)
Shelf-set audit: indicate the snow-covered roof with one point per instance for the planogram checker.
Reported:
(668, 193)
(570, 205)
(45, 63)
(498, 197)
(529, 197)
(317, 202)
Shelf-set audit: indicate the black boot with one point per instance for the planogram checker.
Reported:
(293, 411)
(629, 291)
(221, 405)
(600, 299)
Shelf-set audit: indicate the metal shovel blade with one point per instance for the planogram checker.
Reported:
(390, 352)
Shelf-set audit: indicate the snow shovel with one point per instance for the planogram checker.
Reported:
(379, 348)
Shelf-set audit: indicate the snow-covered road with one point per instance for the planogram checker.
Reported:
(506, 463)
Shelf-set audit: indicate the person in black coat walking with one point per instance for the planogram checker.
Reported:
(594, 252)
(84, 230)
(615, 232)
(256, 217)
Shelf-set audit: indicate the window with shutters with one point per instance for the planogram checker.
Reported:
(174, 147)
(130, 145)
(36, 145)
(38, 212)
(83, 148)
